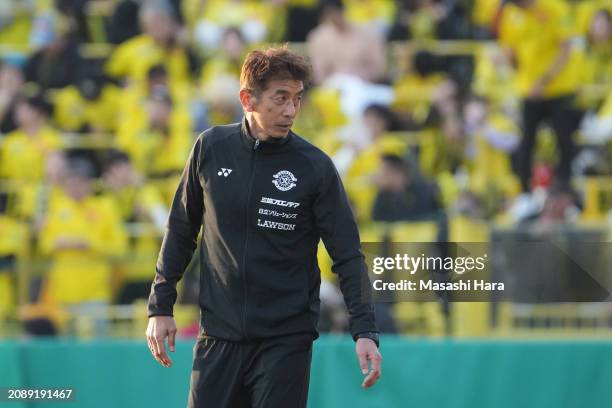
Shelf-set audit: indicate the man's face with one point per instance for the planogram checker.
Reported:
(77, 187)
(159, 114)
(389, 178)
(159, 26)
(25, 114)
(119, 176)
(274, 109)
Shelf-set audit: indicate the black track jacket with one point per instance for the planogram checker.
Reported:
(263, 208)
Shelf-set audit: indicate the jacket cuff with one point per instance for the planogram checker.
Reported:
(156, 311)
(358, 328)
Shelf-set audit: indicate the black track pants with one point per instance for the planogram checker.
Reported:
(269, 373)
(563, 118)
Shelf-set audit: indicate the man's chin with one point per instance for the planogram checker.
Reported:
(279, 133)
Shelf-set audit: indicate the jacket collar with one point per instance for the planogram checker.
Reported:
(248, 141)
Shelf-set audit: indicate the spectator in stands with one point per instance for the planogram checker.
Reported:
(491, 137)
(360, 157)
(430, 19)
(23, 151)
(88, 106)
(220, 79)
(377, 120)
(415, 90)
(537, 34)
(599, 48)
(57, 63)
(403, 194)
(160, 43)
(80, 234)
(256, 20)
(121, 25)
(11, 83)
(138, 202)
(338, 46)
(158, 144)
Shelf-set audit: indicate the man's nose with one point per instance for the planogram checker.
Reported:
(290, 109)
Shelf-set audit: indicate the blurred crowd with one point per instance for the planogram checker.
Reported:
(461, 113)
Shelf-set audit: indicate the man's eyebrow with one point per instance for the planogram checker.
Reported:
(285, 92)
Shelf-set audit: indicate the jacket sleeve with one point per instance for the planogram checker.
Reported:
(180, 238)
(337, 227)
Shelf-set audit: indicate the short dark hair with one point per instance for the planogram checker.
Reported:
(39, 103)
(261, 66)
(156, 71)
(384, 113)
(115, 156)
(81, 167)
(332, 4)
(395, 162)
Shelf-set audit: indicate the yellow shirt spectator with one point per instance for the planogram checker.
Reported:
(81, 275)
(359, 186)
(536, 34)
(134, 58)
(72, 111)
(22, 157)
(378, 12)
(153, 151)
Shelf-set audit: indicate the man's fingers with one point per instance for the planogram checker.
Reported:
(376, 362)
(153, 348)
(371, 379)
(363, 362)
(161, 350)
(171, 339)
(151, 344)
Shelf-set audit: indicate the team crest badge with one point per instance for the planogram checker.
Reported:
(284, 180)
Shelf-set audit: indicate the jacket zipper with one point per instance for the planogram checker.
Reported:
(246, 239)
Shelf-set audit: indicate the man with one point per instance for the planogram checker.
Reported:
(538, 34)
(403, 194)
(337, 46)
(159, 43)
(264, 197)
(81, 233)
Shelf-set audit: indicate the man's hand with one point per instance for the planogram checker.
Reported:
(158, 329)
(537, 90)
(367, 351)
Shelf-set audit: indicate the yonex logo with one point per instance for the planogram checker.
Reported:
(224, 172)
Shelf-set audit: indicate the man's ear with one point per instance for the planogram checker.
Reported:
(247, 100)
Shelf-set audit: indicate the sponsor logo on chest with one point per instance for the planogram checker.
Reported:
(275, 225)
